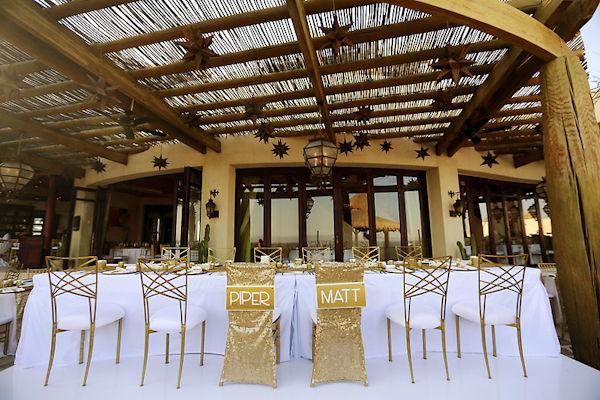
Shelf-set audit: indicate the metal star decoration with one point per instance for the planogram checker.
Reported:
(345, 147)
(386, 146)
(160, 162)
(442, 100)
(191, 118)
(197, 48)
(453, 62)
(361, 141)
(423, 153)
(264, 132)
(102, 94)
(98, 166)
(336, 36)
(280, 149)
(10, 84)
(254, 109)
(489, 160)
(363, 114)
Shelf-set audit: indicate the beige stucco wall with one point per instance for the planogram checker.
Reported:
(248, 152)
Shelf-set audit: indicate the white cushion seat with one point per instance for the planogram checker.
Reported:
(168, 319)
(79, 319)
(495, 314)
(4, 319)
(421, 316)
(276, 314)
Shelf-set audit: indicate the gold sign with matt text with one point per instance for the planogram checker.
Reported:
(341, 295)
(250, 298)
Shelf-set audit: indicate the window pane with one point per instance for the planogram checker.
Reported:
(252, 215)
(284, 213)
(532, 228)
(413, 204)
(319, 217)
(387, 215)
(355, 226)
(547, 228)
(514, 221)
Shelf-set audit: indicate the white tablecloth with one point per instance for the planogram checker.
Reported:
(538, 331)
(207, 291)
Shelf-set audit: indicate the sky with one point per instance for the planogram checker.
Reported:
(591, 40)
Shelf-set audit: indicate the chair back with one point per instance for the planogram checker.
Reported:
(311, 255)
(167, 278)
(79, 279)
(547, 269)
(495, 277)
(426, 276)
(366, 254)
(274, 253)
(35, 271)
(55, 247)
(170, 253)
(11, 273)
(220, 255)
(408, 251)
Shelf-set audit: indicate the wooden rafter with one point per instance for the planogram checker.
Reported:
(529, 157)
(42, 164)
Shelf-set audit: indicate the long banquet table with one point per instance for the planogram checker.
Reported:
(295, 295)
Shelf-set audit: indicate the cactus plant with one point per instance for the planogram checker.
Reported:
(203, 245)
(463, 252)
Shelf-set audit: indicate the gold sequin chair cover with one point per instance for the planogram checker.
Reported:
(338, 349)
(250, 349)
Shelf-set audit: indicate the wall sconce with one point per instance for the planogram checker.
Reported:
(211, 211)
(459, 205)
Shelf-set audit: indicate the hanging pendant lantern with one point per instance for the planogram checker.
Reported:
(320, 155)
(15, 174)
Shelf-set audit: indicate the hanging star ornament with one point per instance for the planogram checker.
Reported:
(254, 109)
(280, 149)
(489, 160)
(423, 153)
(197, 47)
(361, 141)
(191, 118)
(265, 132)
(102, 94)
(160, 162)
(363, 114)
(336, 36)
(98, 166)
(453, 62)
(442, 100)
(10, 84)
(386, 146)
(345, 147)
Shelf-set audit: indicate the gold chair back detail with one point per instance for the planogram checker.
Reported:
(79, 280)
(220, 255)
(274, 253)
(403, 252)
(366, 254)
(169, 278)
(11, 273)
(169, 253)
(311, 255)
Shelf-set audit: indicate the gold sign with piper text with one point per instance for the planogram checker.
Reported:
(341, 295)
(250, 298)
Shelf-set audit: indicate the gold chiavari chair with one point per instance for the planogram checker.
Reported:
(495, 278)
(14, 250)
(169, 253)
(428, 277)
(366, 254)
(274, 253)
(159, 279)
(220, 255)
(311, 255)
(5, 322)
(12, 273)
(548, 271)
(55, 247)
(81, 280)
(34, 271)
(408, 251)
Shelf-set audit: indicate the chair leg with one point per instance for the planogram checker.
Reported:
(167, 351)
(6, 331)
(81, 347)
(521, 346)
(202, 345)
(494, 340)
(443, 329)
(52, 347)
(458, 336)
(487, 364)
(182, 354)
(389, 339)
(89, 357)
(412, 378)
(424, 346)
(145, 354)
(119, 341)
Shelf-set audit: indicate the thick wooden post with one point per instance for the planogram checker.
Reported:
(49, 218)
(572, 154)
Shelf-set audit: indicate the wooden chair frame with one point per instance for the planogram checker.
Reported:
(274, 253)
(73, 281)
(366, 254)
(160, 279)
(228, 251)
(311, 255)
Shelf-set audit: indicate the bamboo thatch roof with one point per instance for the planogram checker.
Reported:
(269, 52)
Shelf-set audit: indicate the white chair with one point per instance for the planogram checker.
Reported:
(495, 278)
(420, 282)
(80, 280)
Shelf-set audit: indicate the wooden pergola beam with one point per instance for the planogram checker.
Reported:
(42, 164)
(75, 7)
(528, 158)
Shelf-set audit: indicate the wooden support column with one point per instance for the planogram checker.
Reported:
(572, 154)
(49, 217)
